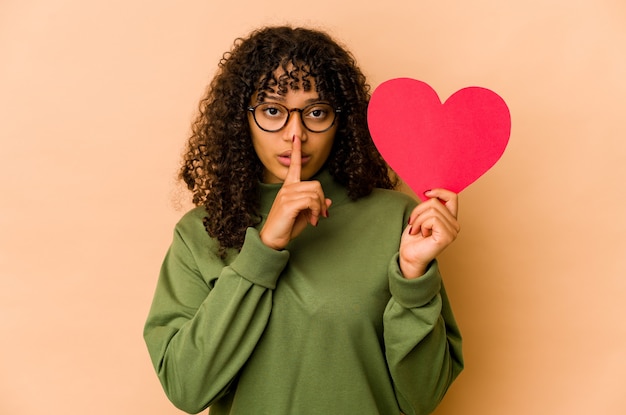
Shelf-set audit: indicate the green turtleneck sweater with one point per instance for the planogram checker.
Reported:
(326, 326)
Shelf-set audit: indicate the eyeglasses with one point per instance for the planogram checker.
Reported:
(272, 117)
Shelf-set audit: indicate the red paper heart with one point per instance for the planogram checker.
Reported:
(434, 145)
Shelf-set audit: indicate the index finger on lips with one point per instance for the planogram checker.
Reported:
(295, 163)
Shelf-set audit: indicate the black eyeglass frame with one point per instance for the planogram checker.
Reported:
(253, 108)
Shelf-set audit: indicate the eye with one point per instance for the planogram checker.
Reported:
(317, 111)
(272, 110)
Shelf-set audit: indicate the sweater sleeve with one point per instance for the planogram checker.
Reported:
(422, 340)
(199, 334)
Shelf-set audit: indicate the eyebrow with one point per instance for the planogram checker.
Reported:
(281, 98)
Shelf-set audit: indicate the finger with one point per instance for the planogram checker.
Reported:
(295, 164)
(306, 188)
(327, 202)
(448, 198)
(428, 210)
(300, 197)
(407, 231)
(427, 224)
(309, 207)
(437, 225)
(429, 207)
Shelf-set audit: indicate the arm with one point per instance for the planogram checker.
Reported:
(200, 334)
(422, 340)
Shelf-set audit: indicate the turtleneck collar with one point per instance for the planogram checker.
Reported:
(332, 190)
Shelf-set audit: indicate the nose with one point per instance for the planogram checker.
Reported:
(295, 127)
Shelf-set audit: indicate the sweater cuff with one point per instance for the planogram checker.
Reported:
(417, 292)
(259, 263)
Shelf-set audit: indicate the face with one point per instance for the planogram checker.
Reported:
(274, 148)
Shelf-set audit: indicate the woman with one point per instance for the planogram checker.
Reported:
(302, 283)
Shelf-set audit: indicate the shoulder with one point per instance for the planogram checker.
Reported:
(190, 231)
(190, 228)
(192, 220)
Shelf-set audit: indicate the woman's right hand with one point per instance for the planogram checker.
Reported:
(297, 204)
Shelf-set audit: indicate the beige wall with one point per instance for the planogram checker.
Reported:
(95, 103)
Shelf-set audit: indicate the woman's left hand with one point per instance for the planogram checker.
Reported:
(432, 227)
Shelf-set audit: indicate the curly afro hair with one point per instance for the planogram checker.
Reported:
(220, 166)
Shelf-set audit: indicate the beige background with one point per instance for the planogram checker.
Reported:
(95, 104)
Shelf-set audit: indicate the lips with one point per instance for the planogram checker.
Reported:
(285, 158)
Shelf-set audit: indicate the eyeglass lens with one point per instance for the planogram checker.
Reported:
(271, 116)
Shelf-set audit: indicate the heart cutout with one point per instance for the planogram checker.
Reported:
(434, 145)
